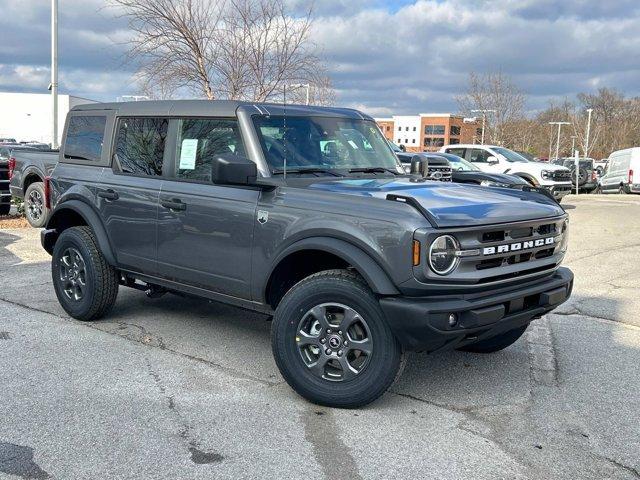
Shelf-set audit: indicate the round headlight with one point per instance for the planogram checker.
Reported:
(442, 254)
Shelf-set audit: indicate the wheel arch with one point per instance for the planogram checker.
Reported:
(526, 176)
(311, 255)
(31, 176)
(73, 213)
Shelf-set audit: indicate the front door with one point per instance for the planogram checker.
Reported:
(128, 194)
(479, 156)
(205, 231)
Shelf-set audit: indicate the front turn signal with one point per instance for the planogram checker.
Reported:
(416, 253)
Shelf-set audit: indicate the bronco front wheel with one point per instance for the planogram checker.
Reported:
(331, 342)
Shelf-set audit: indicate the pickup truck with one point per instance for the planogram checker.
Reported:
(495, 159)
(28, 169)
(303, 213)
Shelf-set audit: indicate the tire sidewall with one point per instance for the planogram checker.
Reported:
(378, 374)
(71, 238)
(41, 222)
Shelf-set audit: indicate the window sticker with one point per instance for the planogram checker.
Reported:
(188, 154)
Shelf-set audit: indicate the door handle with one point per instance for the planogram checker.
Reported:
(108, 194)
(174, 204)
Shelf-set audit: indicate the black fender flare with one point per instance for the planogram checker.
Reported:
(30, 171)
(527, 177)
(90, 217)
(366, 266)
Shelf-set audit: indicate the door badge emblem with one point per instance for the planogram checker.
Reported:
(263, 217)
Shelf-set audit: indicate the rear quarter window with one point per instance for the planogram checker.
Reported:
(85, 138)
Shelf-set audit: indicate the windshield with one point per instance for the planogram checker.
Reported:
(460, 164)
(395, 147)
(510, 155)
(325, 143)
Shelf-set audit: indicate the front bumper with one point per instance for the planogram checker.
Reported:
(422, 323)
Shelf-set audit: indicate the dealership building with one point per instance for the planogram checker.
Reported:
(28, 116)
(430, 131)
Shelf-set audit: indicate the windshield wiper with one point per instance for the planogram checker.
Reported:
(307, 170)
(372, 170)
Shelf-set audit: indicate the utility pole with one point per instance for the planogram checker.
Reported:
(586, 143)
(558, 139)
(54, 72)
(305, 85)
(484, 120)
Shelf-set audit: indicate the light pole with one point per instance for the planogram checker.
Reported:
(300, 85)
(586, 143)
(484, 120)
(54, 72)
(573, 143)
(558, 139)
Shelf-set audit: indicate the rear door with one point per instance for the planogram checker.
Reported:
(205, 231)
(128, 197)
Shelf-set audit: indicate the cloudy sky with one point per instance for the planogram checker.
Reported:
(384, 57)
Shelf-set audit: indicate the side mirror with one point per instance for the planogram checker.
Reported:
(403, 148)
(492, 160)
(229, 169)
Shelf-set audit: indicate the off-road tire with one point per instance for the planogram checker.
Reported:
(338, 287)
(497, 343)
(101, 279)
(37, 215)
(5, 208)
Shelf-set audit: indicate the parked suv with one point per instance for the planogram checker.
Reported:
(587, 177)
(494, 159)
(303, 213)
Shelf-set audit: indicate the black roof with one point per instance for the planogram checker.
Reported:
(217, 108)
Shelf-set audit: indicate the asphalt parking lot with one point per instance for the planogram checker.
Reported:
(178, 388)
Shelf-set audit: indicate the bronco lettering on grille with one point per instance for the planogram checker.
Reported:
(513, 247)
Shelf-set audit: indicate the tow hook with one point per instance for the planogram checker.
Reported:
(154, 291)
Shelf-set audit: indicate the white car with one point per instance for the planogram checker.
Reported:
(619, 175)
(494, 159)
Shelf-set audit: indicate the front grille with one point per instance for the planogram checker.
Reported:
(504, 252)
(561, 175)
(439, 173)
(4, 176)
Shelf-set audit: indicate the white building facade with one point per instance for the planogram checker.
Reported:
(28, 116)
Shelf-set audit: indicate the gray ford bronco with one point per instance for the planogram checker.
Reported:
(303, 213)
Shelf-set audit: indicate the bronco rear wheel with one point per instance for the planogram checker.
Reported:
(331, 342)
(497, 343)
(85, 284)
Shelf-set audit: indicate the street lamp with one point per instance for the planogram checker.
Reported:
(573, 143)
(300, 85)
(586, 143)
(558, 139)
(484, 119)
(54, 71)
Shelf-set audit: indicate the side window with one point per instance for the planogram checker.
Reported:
(477, 155)
(85, 137)
(199, 140)
(4, 153)
(456, 151)
(140, 145)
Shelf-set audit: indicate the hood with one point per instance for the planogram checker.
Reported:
(452, 204)
(493, 177)
(539, 166)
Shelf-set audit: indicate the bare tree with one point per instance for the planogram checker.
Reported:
(234, 49)
(494, 91)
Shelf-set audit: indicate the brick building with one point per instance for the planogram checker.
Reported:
(429, 131)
